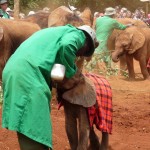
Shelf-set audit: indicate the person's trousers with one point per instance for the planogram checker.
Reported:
(29, 144)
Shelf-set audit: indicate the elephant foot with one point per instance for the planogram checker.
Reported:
(103, 148)
(148, 78)
(149, 71)
(94, 147)
(94, 141)
(104, 142)
(131, 79)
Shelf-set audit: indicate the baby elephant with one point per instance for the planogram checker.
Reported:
(86, 103)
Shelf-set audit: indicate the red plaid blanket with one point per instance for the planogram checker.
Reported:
(148, 64)
(101, 113)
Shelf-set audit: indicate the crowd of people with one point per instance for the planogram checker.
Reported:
(122, 12)
(8, 13)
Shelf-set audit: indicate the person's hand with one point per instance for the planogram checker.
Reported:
(70, 83)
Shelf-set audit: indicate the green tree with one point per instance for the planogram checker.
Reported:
(30, 4)
(95, 5)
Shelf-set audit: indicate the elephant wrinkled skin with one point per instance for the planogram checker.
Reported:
(40, 18)
(114, 35)
(12, 34)
(134, 42)
(87, 16)
(76, 98)
(62, 16)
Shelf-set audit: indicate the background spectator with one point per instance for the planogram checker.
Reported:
(10, 12)
(3, 7)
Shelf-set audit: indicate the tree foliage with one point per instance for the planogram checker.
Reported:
(30, 4)
(95, 5)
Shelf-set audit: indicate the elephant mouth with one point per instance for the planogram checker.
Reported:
(121, 54)
(115, 57)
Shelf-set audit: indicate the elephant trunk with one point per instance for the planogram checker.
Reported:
(116, 55)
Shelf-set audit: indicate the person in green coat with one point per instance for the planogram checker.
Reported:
(27, 82)
(104, 28)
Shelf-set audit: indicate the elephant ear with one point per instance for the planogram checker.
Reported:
(138, 40)
(82, 94)
(1, 33)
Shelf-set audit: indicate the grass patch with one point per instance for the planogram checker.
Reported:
(101, 69)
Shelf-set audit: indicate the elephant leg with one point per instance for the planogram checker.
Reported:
(71, 127)
(148, 65)
(80, 63)
(84, 130)
(130, 66)
(148, 70)
(104, 142)
(94, 141)
(143, 67)
(2, 65)
(123, 64)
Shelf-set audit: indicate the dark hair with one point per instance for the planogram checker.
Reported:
(90, 45)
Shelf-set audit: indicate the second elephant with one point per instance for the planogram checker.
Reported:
(134, 42)
(115, 34)
(89, 102)
(12, 34)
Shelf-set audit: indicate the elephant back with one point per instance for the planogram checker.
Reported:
(87, 16)
(62, 16)
(115, 33)
(41, 18)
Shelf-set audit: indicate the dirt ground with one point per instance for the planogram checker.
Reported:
(131, 118)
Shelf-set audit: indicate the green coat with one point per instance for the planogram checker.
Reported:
(4, 14)
(26, 80)
(104, 27)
